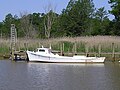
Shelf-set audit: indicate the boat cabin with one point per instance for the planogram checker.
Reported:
(43, 50)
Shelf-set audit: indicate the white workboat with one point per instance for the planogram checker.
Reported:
(46, 55)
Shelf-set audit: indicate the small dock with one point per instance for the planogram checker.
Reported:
(20, 56)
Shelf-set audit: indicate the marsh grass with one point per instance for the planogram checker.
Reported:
(4, 46)
(92, 42)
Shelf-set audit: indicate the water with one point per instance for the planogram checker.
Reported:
(44, 76)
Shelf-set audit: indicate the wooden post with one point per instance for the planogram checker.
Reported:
(75, 47)
(86, 50)
(99, 50)
(26, 46)
(61, 49)
(113, 51)
(12, 54)
(68, 51)
(18, 45)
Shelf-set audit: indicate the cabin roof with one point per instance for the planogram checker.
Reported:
(43, 48)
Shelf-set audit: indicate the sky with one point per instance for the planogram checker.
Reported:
(31, 6)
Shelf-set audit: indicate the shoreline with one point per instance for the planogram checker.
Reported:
(108, 46)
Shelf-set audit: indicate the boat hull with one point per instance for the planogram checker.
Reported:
(63, 59)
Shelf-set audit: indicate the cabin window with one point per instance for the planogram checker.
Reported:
(41, 50)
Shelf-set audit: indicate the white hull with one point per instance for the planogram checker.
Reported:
(33, 56)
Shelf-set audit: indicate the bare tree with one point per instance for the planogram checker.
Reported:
(49, 19)
(26, 25)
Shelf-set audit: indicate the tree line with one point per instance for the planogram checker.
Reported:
(79, 18)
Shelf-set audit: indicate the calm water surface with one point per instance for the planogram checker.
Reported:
(44, 76)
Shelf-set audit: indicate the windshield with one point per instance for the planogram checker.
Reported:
(41, 50)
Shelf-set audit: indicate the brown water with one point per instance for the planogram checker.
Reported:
(44, 76)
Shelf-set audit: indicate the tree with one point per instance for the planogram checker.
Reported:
(76, 18)
(1, 25)
(37, 22)
(26, 25)
(7, 24)
(55, 26)
(49, 19)
(115, 5)
(101, 14)
(100, 22)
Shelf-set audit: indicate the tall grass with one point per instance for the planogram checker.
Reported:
(4, 46)
(92, 42)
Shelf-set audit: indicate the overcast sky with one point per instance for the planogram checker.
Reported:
(30, 6)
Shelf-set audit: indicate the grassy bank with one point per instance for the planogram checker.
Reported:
(68, 44)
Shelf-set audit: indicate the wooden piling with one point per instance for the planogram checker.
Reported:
(86, 50)
(99, 50)
(75, 48)
(63, 47)
(61, 50)
(113, 51)
(25, 45)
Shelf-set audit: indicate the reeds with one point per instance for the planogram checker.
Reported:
(92, 43)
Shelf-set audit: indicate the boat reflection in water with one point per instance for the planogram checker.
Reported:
(57, 76)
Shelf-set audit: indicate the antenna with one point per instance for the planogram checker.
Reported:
(50, 46)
